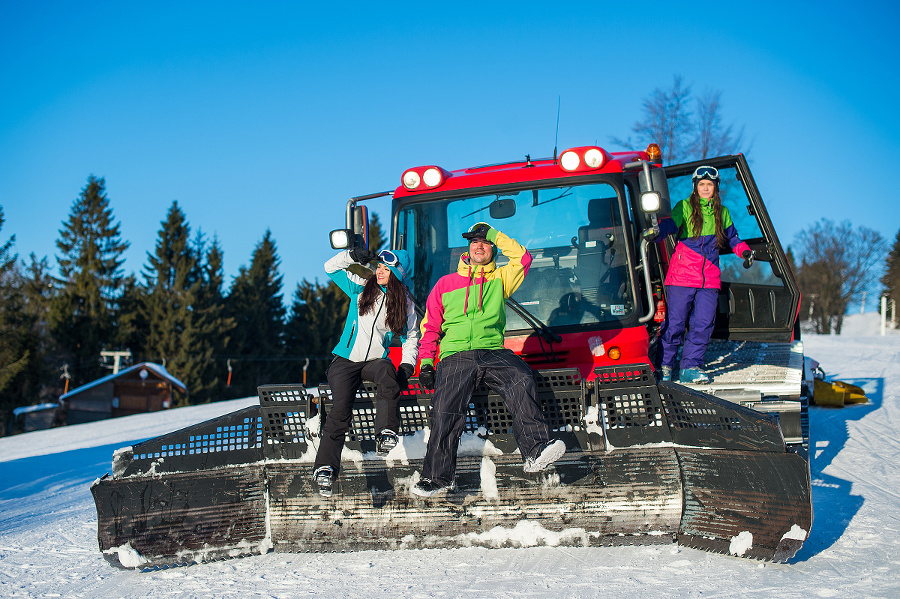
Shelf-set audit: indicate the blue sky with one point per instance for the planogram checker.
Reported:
(270, 115)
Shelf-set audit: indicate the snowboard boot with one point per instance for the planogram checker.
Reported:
(549, 453)
(324, 477)
(387, 440)
(428, 488)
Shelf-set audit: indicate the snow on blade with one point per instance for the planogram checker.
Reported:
(741, 543)
(128, 556)
(795, 533)
(526, 533)
(489, 479)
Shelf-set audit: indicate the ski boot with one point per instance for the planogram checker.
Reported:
(692, 375)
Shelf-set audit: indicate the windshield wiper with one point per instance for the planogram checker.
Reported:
(544, 332)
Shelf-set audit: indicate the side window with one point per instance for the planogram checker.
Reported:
(734, 197)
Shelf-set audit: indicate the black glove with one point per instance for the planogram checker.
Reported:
(479, 230)
(748, 256)
(403, 373)
(651, 234)
(426, 376)
(362, 255)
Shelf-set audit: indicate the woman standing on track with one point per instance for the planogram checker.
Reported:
(704, 228)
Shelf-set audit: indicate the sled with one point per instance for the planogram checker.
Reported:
(837, 394)
(646, 463)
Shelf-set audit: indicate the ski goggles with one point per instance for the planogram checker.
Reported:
(389, 258)
(706, 172)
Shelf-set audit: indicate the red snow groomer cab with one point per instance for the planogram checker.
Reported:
(720, 467)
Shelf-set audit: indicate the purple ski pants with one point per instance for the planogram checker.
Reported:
(688, 306)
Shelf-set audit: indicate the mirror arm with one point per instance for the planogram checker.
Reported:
(645, 261)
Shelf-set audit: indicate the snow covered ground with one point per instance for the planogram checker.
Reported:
(48, 542)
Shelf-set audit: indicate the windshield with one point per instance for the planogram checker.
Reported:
(580, 272)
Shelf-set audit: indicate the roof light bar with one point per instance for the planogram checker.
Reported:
(424, 177)
(586, 158)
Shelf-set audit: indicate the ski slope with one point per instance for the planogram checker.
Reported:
(48, 544)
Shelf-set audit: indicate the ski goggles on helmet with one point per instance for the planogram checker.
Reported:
(706, 172)
(389, 258)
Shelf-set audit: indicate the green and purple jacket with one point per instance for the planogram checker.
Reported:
(467, 309)
(695, 262)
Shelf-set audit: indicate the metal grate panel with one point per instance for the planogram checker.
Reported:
(284, 410)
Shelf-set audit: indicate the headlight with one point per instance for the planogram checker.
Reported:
(411, 179)
(593, 158)
(650, 201)
(340, 239)
(569, 160)
(432, 177)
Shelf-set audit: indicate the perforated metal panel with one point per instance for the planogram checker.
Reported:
(230, 439)
(630, 405)
(285, 410)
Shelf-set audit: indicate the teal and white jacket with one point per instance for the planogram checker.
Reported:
(367, 337)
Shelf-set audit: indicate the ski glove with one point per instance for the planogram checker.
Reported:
(426, 376)
(479, 231)
(651, 234)
(748, 256)
(403, 373)
(362, 255)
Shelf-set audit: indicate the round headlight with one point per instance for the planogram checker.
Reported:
(650, 201)
(593, 158)
(411, 179)
(569, 160)
(432, 177)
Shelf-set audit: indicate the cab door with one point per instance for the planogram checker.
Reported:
(759, 303)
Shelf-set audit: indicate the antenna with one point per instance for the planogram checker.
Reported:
(556, 140)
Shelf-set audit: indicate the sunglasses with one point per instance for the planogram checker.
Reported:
(388, 257)
(706, 172)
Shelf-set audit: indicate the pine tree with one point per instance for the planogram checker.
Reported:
(891, 278)
(14, 354)
(210, 304)
(182, 329)
(255, 304)
(132, 325)
(90, 261)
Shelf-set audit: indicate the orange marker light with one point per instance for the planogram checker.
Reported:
(614, 353)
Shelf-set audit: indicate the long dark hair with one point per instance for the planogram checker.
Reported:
(697, 216)
(395, 318)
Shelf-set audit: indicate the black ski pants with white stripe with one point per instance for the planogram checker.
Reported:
(344, 377)
(456, 377)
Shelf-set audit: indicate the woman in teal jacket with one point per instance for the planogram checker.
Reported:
(380, 308)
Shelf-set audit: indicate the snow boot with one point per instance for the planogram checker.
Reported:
(428, 488)
(387, 440)
(549, 453)
(692, 375)
(324, 476)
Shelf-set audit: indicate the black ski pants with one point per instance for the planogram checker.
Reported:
(456, 377)
(345, 377)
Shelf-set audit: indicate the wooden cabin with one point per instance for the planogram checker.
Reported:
(144, 387)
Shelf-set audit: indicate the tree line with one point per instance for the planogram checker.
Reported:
(222, 343)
